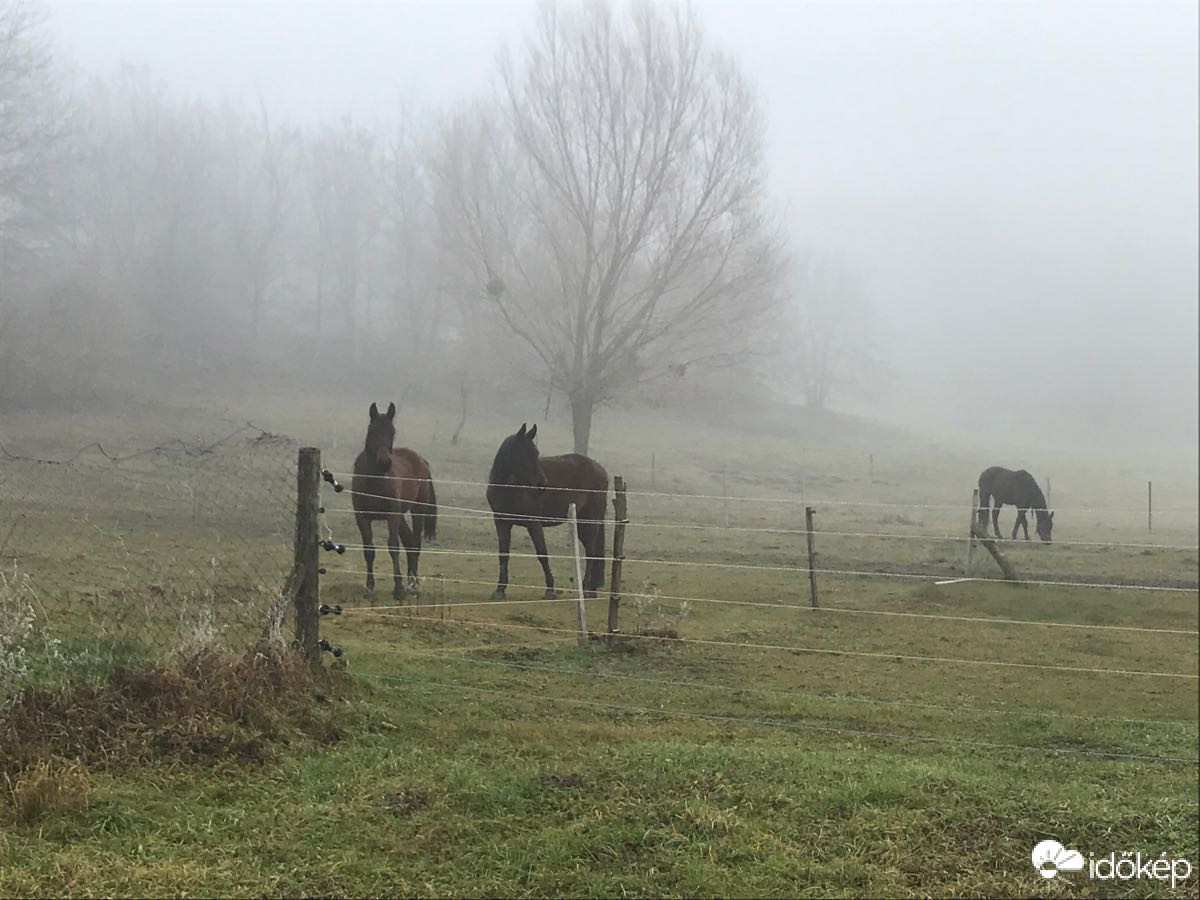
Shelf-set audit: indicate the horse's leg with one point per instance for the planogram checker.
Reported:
(996, 519)
(394, 523)
(1021, 522)
(411, 538)
(504, 540)
(364, 529)
(590, 535)
(538, 536)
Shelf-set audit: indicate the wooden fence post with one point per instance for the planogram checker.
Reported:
(581, 612)
(871, 467)
(1150, 507)
(307, 550)
(971, 529)
(990, 546)
(652, 482)
(725, 494)
(812, 557)
(620, 511)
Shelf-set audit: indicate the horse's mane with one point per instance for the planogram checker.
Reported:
(1039, 499)
(500, 465)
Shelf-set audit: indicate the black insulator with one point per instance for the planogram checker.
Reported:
(328, 476)
(321, 571)
(325, 609)
(330, 648)
(340, 548)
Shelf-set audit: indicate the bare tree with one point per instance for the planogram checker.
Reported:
(255, 202)
(613, 201)
(342, 162)
(826, 334)
(33, 124)
(407, 253)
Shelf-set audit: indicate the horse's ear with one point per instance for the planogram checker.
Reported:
(374, 411)
(521, 433)
(532, 433)
(391, 413)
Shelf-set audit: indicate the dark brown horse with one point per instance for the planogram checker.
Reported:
(387, 484)
(998, 486)
(534, 492)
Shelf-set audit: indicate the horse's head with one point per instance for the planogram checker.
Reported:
(381, 434)
(1045, 522)
(517, 462)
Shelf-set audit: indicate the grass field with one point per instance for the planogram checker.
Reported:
(906, 739)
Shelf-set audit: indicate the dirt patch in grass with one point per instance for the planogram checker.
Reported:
(405, 802)
(208, 710)
(557, 780)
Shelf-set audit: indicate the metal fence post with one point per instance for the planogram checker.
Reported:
(812, 557)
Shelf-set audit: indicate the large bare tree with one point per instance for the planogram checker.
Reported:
(612, 200)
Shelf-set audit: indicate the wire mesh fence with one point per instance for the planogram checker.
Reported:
(112, 559)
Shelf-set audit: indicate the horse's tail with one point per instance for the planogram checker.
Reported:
(429, 513)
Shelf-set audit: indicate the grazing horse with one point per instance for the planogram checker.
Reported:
(534, 492)
(387, 484)
(998, 486)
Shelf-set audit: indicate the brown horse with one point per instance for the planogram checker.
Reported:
(387, 484)
(534, 492)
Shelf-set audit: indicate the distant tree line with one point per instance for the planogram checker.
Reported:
(594, 228)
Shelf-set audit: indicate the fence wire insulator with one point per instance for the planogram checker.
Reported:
(325, 609)
(328, 476)
(321, 570)
(334, 546)
(330, 648)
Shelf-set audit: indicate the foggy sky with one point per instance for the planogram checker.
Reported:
(1017, 182)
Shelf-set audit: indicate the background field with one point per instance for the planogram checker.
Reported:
(907, 738)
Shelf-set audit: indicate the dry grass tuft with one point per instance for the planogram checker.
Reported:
(50, 787)
(210, 709)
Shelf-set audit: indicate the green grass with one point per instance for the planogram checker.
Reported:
(771, 750)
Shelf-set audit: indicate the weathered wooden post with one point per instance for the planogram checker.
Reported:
(1150, 507)
(871, 467)
(725, 494)
(990, 546)
(652, 482)
(580, 610)
(620, 510)
(307, 550)
(812, 558)
(971, 529)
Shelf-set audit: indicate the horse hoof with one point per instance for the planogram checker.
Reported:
(551, 594)
(497, 595)
(398, 592)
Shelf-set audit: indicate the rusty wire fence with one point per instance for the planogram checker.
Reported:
(112, 559)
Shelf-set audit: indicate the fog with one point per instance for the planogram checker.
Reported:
(1013, 185)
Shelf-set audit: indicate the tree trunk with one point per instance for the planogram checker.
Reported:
(582, 408)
